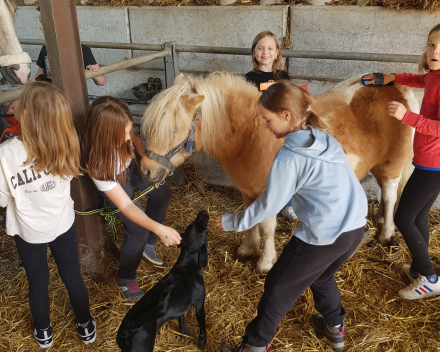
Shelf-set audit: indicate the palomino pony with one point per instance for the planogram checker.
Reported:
(14, 63)
(223, 111)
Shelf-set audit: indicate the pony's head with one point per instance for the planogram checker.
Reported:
(166, 124)
(14, 63)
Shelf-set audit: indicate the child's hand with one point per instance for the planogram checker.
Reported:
(93, 68)
(397, 110)
(168, 236)
(370, 78)
(218, 223)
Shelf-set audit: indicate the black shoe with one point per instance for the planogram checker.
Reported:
(244, 347)
(333, 334)
(44, 337)
(87, 331)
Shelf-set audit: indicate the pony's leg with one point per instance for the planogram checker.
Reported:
(251, 242)
(269, 254)
(182, 326)
(389, 195)
(380, 212)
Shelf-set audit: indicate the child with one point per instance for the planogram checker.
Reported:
(267, 60)
(423, 186)
(36, 170)
(108, 154)
(312, 170)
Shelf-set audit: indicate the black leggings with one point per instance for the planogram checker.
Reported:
(302, 265)
(34, 257)
(411, 217)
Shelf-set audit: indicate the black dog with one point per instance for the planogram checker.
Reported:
(182, 288)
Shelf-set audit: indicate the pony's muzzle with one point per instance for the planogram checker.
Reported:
(16, 75)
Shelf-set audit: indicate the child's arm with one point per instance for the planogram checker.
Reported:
(5, 193)
(268, 204)
(123, 202)
(99, 80)
(419, 122)
(406, 79)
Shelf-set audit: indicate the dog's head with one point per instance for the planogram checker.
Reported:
(195, 236)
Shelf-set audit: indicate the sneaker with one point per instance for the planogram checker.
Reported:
(150, 254)
(87, 331)
(289, 214)
(407, 270)
(129, 288)
(44, 337)
(335, 335)
(244, 347)
(420, 288)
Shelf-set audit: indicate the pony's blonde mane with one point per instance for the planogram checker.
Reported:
(344, 85)
(167, 114)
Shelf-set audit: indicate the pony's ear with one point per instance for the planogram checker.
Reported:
(203, 256)
(197, 100)
(180, 78)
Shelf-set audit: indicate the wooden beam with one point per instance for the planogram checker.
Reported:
(67, 72)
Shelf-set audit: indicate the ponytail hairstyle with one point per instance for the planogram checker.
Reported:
(47, 131)
(277, 62)
(423, 61)
(286, 96)
(104, 147)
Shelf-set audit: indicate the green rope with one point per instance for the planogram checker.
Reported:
(110, 215)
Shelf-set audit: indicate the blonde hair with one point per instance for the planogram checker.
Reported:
(286, 96)
(47, 131)
(423, 61)
(276, 66)
(103, 144)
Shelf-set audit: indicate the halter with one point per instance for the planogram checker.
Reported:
(189, 144)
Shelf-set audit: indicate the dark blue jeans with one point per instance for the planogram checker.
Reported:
(136, 236)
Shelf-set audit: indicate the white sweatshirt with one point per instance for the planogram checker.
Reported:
(39, 206)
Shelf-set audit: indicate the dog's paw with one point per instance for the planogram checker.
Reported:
(202, 343)
(184, 332)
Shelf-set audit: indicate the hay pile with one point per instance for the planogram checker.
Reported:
(377, 320)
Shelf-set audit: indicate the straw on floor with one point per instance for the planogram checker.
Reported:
(377, 319)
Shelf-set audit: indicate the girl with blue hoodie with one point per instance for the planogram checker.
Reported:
(327, 197)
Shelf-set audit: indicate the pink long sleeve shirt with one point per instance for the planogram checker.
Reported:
(427, 123)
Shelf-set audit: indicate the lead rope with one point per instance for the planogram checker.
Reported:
(109, 215)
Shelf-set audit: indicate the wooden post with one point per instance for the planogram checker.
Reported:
(67, 72)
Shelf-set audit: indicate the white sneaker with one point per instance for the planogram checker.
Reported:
(289, 214)
(420, 288)
(407, 270)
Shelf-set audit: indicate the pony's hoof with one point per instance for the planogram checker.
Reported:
(244, 254)
(264, 267)
(242, 258)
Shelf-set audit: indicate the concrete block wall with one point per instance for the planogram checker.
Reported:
(327, 28)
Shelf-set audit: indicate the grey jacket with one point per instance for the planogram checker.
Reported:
(313, 171)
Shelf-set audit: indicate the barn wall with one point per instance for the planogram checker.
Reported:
(328, 28)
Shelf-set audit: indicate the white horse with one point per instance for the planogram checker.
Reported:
(14, 63)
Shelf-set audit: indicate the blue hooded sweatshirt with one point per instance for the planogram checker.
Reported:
(311, 170)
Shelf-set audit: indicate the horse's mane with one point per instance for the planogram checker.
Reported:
(167, 114)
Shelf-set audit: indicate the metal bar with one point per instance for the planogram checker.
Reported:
(13, 94)
(104, 45)
(127, 63)
(299, 54)
(168, 64)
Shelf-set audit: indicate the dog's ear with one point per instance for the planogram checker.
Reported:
(203, 256)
